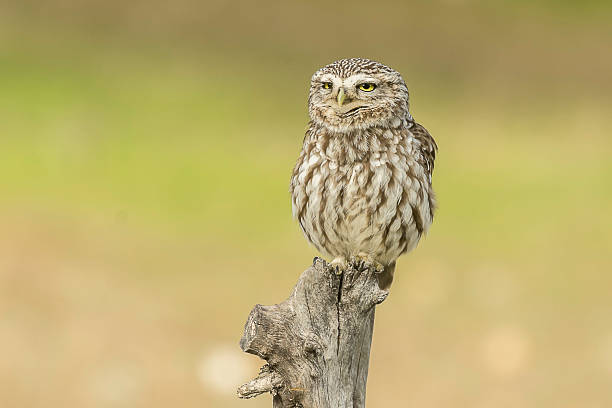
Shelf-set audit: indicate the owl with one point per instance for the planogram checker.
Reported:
(361, 189)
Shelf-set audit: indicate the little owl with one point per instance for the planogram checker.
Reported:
(361, 188)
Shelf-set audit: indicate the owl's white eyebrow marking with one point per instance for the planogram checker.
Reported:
(359, 78)
(336, 82)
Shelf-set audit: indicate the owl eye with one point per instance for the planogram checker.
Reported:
(367, 87)
(327, 85)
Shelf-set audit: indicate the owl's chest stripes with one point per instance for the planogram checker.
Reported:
(363, 206)
(358, 195)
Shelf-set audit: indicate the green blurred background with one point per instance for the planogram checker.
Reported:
(145, 154)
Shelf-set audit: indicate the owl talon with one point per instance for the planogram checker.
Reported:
(338, 265)
(363, 261)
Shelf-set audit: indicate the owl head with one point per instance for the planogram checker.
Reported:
(356, 94)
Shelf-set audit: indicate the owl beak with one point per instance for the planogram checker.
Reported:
(341, 96)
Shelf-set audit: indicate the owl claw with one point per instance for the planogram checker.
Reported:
(363, 261)
(338, 265)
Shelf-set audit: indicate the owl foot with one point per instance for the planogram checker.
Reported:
(363, 261)
(338, 265)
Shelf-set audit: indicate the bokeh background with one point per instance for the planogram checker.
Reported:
(145, 154)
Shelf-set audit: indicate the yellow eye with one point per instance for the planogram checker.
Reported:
(367, 87)
(327, 85)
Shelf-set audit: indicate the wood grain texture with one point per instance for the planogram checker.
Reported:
(317, 342)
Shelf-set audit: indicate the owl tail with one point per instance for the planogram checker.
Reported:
(385, 279)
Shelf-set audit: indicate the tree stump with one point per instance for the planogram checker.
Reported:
(317, 342)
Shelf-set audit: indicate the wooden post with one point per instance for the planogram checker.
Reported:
(317, 342)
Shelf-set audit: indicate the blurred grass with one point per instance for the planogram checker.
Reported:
(145, 152)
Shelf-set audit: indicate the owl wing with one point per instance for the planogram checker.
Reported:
(428, 148)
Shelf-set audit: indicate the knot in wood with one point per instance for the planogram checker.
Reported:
(312, 344)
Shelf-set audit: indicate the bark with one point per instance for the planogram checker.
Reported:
(317, 342)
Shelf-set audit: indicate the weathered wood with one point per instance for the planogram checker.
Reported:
(317, 342)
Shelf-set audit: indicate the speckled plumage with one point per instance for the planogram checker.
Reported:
(362, 182)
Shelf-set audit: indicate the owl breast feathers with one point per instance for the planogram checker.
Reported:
(362, 182)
